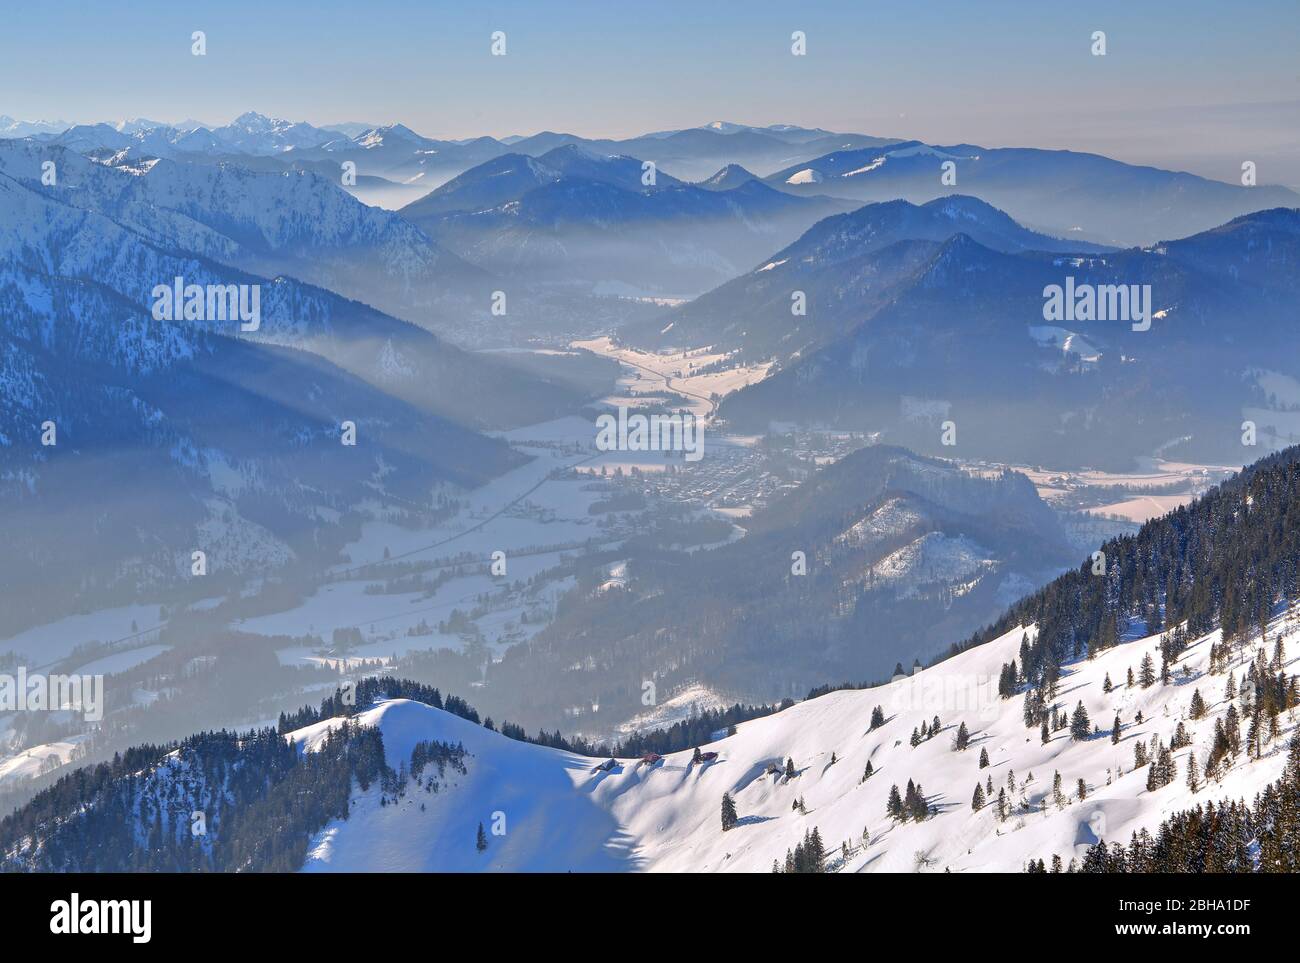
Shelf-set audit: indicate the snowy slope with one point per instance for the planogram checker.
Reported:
(561, 815)
(551, 822)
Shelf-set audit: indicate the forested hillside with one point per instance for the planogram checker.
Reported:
(1226, 560)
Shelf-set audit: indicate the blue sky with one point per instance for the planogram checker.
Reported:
(988, 72)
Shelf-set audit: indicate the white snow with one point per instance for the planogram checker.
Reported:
(560, 815)
(45, 644)
(1069, 342)
(805, 176)
(37, 761)
(878, 162)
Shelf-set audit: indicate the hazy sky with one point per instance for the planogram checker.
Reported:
(1183, 84)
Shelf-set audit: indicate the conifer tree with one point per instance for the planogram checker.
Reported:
(1279, 843)
(1080, 726)
(1007, 680)
(815, 853)
(1232, 729)
(728, 812)
(1139, 755)
(1147, 673)
(894, 807)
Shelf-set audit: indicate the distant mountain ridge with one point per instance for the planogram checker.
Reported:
(572, 216)
(846, 265)
(957, 333)
(1068, 193)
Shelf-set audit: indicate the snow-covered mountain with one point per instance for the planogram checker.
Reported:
(799, 770)
(250, 133)
(1067, 193)
(562, 812)
(792, 133)
(733, 175)
(176, 432)
(377, 138)
(267, 222)
(12, 127)
(289, 226)
(255, 133)
(396, 165)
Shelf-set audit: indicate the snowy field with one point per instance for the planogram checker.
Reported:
(1129, 503)
(677, 372)
(44, 645)
(528, 514)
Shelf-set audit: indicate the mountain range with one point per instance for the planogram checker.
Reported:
(197, 433)
(895, 297)
(572, 216)
(1061, 192)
